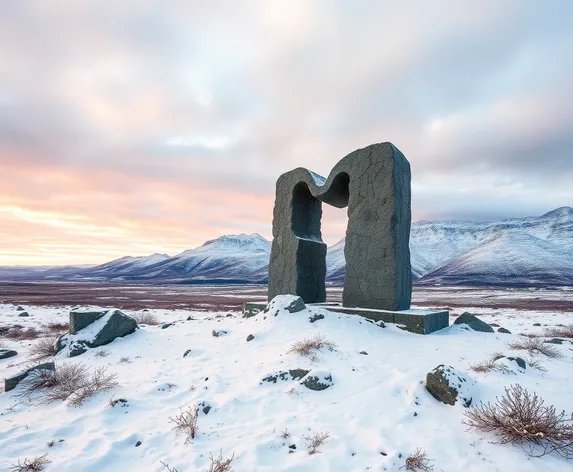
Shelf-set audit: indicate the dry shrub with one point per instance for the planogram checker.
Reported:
(71, 382)
(170, 469)
(560, 332)
(58, 327)
(220, 464)
(315, 440)
(522, 418)
(536, 346)
(146, 319)
(187, 422)
(44, 348)
(488, 366)
(418, 461)
(21, 334)
(102, 353)
(536, 364)
(309, 346)
(38, 463)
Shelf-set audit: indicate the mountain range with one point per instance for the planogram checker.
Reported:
(512, 252)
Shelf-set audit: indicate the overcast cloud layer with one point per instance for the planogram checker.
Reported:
(134, 127)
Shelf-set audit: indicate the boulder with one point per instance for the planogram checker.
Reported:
(474, 323)
(12, 382)
(96, 329)
(504, 331)
(288, 303)
(449, 385)
(6, 353)
(318, 380)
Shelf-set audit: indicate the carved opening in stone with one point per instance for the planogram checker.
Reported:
(306, 213)
(339, 191)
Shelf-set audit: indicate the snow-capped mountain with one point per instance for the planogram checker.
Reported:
(532, 250)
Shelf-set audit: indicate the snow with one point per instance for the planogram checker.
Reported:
(376, 412)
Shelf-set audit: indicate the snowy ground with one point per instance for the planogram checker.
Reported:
(376, 413)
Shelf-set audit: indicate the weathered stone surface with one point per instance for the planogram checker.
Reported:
(318, 381)
(447, 385)
(12, 382)
(6, 353)
(421, 321)
(474, 323)
(374, 183)
(288, 303)
(80, 319)
(117, 325)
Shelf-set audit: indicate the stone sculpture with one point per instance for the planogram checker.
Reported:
(374, 183)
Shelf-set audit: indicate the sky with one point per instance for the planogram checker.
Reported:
(136, 127)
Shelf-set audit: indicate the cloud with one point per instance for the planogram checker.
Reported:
(176, 119)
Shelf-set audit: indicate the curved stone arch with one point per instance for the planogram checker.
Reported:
(374, 183)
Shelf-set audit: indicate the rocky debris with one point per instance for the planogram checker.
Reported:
(24, 314)
(364, 353)
(285, 375)
(447, 385)
(219, 333)
(316, 317)
(318, 380)
(474, 323)
(288, 303)
(204, 407)
(96, 329)
(138, 443)
(250, 337)
(554, 341)
(6, 353)
(20, 308)
(166, 325)
(12, 382)
(494, 325)
(536, 324)
(187, 352)
(504, 331)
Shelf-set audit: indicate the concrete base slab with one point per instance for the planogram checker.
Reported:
(414, 320)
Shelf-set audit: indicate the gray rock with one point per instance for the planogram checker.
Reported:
(536, 324)
(20, 308)
(187, 352)
(77, 348)
(166, 325)
(12, 382)
(554, 341)
(519, 361)
(474, 323)
(250, 337)
(447, 385)
(318, 382)
(24, 314)
(374, 183)
(138, 443)
(285, 375)
(504, 331)
(204, 407)
(219, 333)
(6, 353)
(315, 318)
(364, 353)
(80, 319)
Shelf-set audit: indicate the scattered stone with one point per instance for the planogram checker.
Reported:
(318, 381)
(364, 353)
(292, 446)
(24, 314)
(190, 318)
(166, 325)
(474, 323)
(536, 324)
(316, 317)
(494, 325)
(285, 375)
(229, 315)
(504, 331)
(138, 443)
(507, 362)
(187, 352)
(219, 333)
(12, 382)
(77, 348)
(447, 385)
(6, 353)
(554, 341)
(204, 407)
(289, 303)
(20, 308)
(250, 337)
